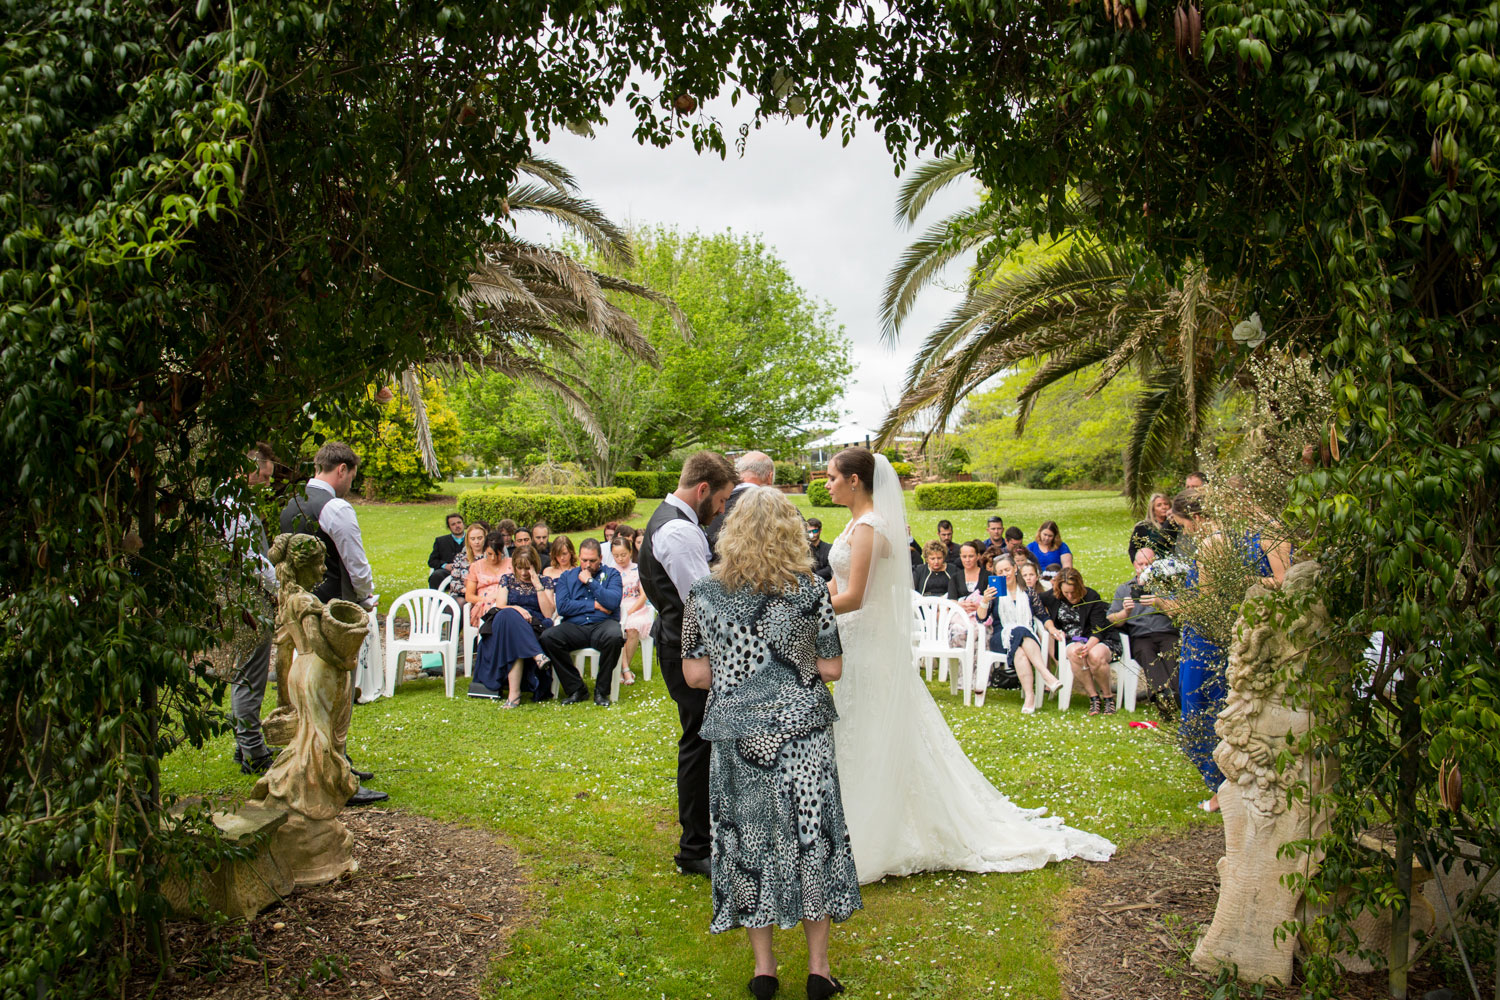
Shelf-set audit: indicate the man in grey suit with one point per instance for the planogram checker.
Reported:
(754, 468)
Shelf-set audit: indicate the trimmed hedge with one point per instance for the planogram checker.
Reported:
(818, 495)
(790, 474)
(645, 484)
(562, 509)
(957, 496)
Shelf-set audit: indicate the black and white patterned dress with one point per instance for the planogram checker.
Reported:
(780, 848)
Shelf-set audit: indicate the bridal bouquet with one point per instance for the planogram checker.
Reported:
(1165, 576)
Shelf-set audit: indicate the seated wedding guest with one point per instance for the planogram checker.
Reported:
(471, 553)
(994, 534)
(759, 634)
(819, 548)
(482, 587)
(521, 537)
(507, 529)
(564, 558)
(1015, 544)
(541, 536)
(511, 644)
(1153, 637)
(1014, 617)
(1082, 627)
(638, 616)
(933, 578)
(606, 551)
(588, 599)
(1195, 480)
(1049, 550)
(1157, 530)
(975, 595)
(444, 548)
(945, 535)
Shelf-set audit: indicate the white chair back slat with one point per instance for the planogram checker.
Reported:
(428, 612)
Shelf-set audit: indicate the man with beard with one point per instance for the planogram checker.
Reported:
(674, 555)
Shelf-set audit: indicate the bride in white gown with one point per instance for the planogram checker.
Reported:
(913, 800)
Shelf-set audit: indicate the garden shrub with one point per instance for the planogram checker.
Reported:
(818, 495)
(790, 474)
(957, 496)
(562, 509)
(903, 468)
(644, 483)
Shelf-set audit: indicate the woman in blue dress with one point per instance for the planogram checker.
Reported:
(508, 648)
(1051, 553)
(1201, 661)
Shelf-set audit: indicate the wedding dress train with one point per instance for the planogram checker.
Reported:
(913, 800)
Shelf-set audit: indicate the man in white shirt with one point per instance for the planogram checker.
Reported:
(323, 512)
(674, 556)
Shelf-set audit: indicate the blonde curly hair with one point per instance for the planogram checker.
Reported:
(763, 545)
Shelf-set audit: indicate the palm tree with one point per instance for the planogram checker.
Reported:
(523, 298)
(1080, 306)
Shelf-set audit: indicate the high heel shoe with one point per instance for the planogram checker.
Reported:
(819, 988)
(1054, 686)
(764, 987)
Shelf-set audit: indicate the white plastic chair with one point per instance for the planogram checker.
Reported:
(434, 629)
(989, 659)
(931, 619)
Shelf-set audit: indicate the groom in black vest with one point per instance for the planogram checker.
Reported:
(673, 557)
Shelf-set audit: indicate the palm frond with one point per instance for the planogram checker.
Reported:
(579, 215)
(550, 172)
(1156, 431)
(411, 387)
(613, 284)
(929, 178)
(942, 243)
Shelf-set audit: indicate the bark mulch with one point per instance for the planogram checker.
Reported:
(1129, 926)
(429, 908)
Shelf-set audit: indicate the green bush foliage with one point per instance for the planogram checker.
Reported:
(818, 495)
(569, 510)
(644, 483)
(384, 436)
(790, 474)
(901, 468)
(957, 496)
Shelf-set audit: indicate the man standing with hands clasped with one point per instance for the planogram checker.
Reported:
(674, 556)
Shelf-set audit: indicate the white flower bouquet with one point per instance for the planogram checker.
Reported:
(1165, 576)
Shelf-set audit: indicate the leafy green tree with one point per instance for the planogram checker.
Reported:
(384, 436)
(764, 360)
(496, 422)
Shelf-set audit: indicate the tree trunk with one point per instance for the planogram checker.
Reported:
(1406, 800)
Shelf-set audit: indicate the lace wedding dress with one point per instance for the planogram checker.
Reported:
(913, 800)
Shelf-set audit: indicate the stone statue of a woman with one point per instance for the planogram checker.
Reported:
(316, 649)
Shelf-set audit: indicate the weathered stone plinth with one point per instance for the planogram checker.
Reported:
(314, 851)
(238, 888)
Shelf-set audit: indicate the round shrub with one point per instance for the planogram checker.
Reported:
(903, 469)
(957, 496)
(562, 509)
(790, 474)
(818, 495)
(645, 484)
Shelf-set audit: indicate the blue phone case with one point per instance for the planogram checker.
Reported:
(998, 582)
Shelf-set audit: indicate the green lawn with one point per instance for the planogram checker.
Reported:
(587, 796)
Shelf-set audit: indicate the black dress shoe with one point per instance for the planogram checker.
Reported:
(363, 775)
(819, 988)
(582, 694)
(257, 765)
(694, 866)
(365, 796)
(600, 698)
(764, 987)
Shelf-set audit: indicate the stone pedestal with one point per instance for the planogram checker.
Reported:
(314, 851)
(239, 888)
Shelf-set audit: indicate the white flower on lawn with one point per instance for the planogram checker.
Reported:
(1250, 331)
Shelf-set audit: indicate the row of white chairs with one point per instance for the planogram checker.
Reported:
(935, 619)
(432, 614)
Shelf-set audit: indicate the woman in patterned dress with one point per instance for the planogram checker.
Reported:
(637, 616)
(759, 634)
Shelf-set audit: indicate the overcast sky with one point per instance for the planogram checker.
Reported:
(825, 209)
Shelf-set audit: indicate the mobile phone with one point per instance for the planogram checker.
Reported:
(998, 582)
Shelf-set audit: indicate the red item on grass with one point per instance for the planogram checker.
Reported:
(1143, 725)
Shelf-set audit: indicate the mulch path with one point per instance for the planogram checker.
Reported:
(429, 908)
(1129, 926)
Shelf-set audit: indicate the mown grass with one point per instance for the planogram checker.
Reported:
(587, 796)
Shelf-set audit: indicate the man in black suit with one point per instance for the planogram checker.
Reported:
(820, 549)
(444, 549)
(755, 468)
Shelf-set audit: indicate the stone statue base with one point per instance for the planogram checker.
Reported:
(314, 851)
(238, 889)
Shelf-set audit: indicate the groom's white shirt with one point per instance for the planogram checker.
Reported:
(682, 549)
